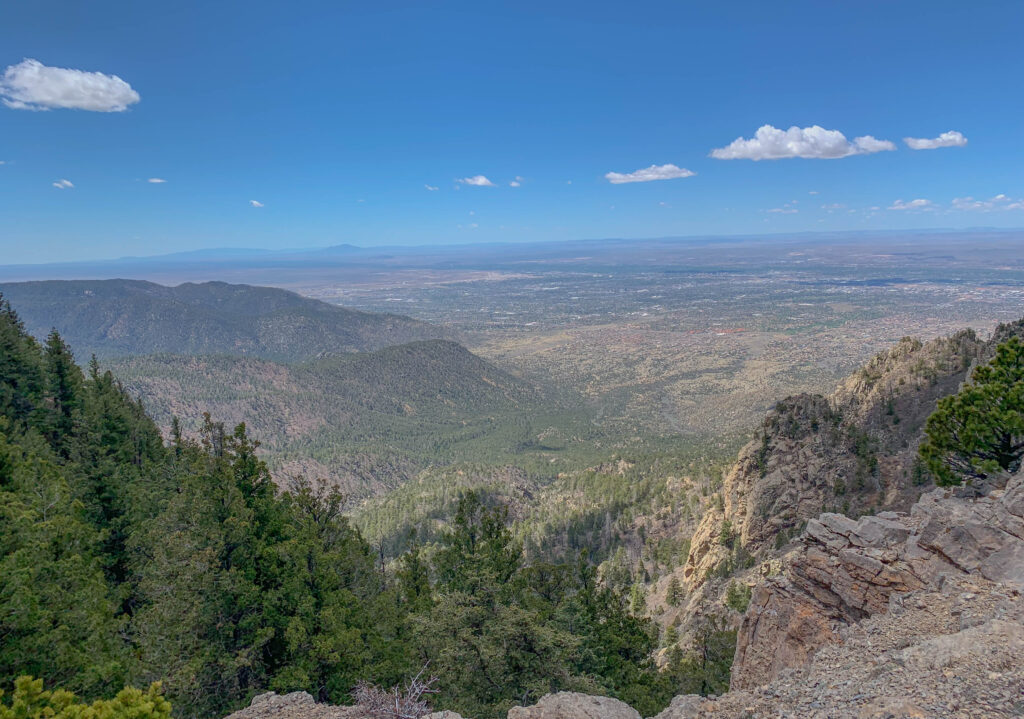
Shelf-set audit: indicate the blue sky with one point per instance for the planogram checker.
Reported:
(336, 117)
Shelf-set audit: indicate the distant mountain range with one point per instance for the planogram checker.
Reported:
(116, 318)
(297, 266)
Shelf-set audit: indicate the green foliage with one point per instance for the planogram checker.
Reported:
(382, 417)
(703, 666)
(500, 632)
(737, 596)
(726, 537)
(980, 430)
(638, 599)
(125, 561)
(674, 592)
(58, 615)
(243, 589)
(31, 701)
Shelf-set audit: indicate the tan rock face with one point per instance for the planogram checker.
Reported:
(845, 571)
(852, 451)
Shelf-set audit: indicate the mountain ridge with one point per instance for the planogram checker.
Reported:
(112, 318)
(365, 421)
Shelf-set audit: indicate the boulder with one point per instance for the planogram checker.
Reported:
(571, 705)
(685, 706)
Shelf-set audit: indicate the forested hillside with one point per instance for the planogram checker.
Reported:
(125, 560)
(373, 420)
(115, 318)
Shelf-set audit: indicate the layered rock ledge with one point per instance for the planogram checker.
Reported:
(846, 570)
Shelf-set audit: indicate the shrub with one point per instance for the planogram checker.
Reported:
(30, 701)
(407, 702)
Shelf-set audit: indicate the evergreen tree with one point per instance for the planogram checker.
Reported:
(30, 701)
(980, 430)
(58, 616)
(21, 372)
(674, 592)
(64, 380)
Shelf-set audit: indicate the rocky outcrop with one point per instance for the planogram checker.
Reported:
(846, 570)
(571, 705)
(948, 651)
(296, 705)
(851, 452)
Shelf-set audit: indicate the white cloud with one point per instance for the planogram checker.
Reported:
(476, 181)
(516, 182)
(946, 139)
(30, 85)
(255, 203)
(867, 145)
(3, 162)
(156, 181)
(999, 202)
(813, 192)
(432, 188)
(918, 204)
(63, 184)
(787, 209)
(815, 142)
(833, 206)
(649, 174)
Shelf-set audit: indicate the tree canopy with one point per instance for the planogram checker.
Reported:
(980, 430)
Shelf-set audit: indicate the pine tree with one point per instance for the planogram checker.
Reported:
(21, 372)
(979, 431)
(64, 380)
(674, 592)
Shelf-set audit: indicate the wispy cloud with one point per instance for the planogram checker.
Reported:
(63, 184)
(649, 174)
(255, 203)
(432, 188)
(156, 180)
(814, 142)
(999, 202)
(787, 209)
(946, 139)
(31, 85)
(918, 204)
(476, 181)
(516, 182)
